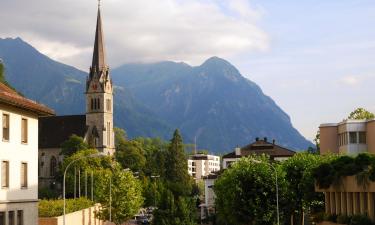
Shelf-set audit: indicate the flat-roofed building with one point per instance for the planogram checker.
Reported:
(200, 165)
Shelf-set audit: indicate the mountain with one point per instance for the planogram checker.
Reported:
(62, 88)
(212, 103)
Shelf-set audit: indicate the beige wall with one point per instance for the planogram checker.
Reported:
(370, 136)
(82, 217)
(328, 139)
(30, 211)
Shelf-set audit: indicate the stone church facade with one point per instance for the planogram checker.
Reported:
(95, 127)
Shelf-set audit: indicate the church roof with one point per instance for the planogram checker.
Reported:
(10, 97)
(98, 58)
(54, 130)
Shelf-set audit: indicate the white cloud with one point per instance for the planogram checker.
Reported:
(350, 80)
(136, 30)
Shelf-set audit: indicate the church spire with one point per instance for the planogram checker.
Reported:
(98, 58)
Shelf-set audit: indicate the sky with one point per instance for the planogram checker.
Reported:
(315, 58)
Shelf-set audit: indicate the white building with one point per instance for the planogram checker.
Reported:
(200, 165)
(19, 157)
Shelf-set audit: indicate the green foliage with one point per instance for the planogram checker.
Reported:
(54, 208)
(350, 220)
(301, 193)
(126, 195)
(317, 141)
(332, 172)
(130, 155)
(177, 174)
(73, 145)
(120, 136)
(361, 114)
(47, 193)
(246, 192)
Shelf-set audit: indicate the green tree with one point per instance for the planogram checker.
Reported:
(126, 192)
(130, 155)
(301, 193)
(120, 136)
(73, 145)
(361, 114)
(177, 168)
(245, 193)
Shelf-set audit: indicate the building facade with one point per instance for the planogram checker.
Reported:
(349, 137)
(19, 157)
(95, 127)
(200, 165)
(260, 146)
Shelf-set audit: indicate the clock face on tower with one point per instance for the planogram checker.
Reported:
(94, 86)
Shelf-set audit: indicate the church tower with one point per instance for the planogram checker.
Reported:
(99, 97)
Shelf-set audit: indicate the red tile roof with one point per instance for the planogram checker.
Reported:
(10, 97)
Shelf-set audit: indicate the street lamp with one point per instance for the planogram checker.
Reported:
(277, 189)
(66, 169)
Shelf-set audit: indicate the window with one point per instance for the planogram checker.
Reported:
(2, 218)
(95, 103)
(353, 137)
(24, 132)
(5, 174)
(362, 137)
(92, 104)
(53, 166)
(23, 175)
(108, 134)
(108, 105)
(20, 217)
(98, 103)
(5, 127)
(11, 218)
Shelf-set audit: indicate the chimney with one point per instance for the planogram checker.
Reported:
(237, 150)
(273, 141)
(256, 139)
(265, 139)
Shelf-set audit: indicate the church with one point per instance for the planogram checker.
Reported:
(95, 127)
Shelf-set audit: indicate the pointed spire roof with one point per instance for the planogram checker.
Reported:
(98, 58)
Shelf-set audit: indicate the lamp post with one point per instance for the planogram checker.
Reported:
(66, 169)
(277, 190)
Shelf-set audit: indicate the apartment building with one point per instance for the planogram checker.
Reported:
(200, 165)
(19, 157)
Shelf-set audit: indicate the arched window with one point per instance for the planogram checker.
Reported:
(98, 103)
(92, 104)
(53, 166)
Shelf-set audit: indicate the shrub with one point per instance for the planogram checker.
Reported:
(360, 220)
(344, 219)
(54, 208)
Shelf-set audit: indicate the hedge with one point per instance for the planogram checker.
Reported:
(54, 208)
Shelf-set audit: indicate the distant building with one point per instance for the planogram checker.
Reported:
(208, 207)
(260, 146)
(200, 165)
(95, 127)
(19, 157)
(349, 137)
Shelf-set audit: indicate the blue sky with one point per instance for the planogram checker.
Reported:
(314, 58)
(320, 61)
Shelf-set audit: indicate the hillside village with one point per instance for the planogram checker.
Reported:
(84, 169)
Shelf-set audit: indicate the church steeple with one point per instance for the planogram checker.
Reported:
(98, 59)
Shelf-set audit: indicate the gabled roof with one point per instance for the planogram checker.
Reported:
(54, 130)
(262, 147)
(10, 97)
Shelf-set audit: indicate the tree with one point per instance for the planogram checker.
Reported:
(177, 168)
(130, 155)
(120, 136)
(245, 193)
(301, 193)
(126, 192)
(317, 141)
(361, 114)
(73, 145)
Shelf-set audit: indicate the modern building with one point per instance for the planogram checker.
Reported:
(260, 146)
(95, 127)
(200, 165)
(349, 137)
(19, 157)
